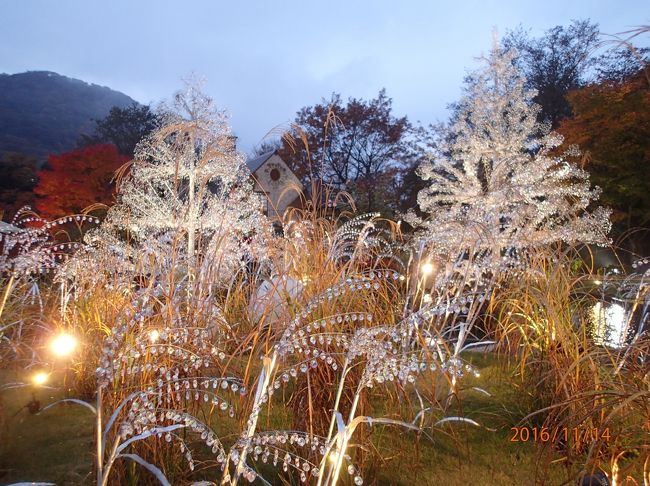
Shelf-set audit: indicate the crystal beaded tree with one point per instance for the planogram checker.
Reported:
(188, 187)
(498, 182)
(185, 223)
(500, 189)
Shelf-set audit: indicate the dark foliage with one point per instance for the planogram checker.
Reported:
(555, 63)
(43, 112)
(358, 146)
(17, 180)
(611, 125)
(123, 127)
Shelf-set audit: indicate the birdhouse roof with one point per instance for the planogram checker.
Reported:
(257, 162)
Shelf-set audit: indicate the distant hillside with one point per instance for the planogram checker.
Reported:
(43, 112)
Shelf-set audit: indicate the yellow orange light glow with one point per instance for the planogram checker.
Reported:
(333, 456)
(63, 345)
(154, 335)
(39, 378)
(427, 268)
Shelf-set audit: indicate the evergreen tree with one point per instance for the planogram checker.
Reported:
(124, 128)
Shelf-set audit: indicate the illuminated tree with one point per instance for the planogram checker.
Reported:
(496, 185)
(188, 184)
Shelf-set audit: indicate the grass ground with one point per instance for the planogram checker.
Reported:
(462, 454)
(57, 445)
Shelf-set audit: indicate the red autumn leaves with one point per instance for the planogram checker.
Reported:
(72, 181)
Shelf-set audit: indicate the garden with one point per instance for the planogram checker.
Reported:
(180, 336)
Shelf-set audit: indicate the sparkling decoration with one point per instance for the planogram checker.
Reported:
(28, 246)
(187, 181)
(360, 238)
(499, 189)
(172, 369)
(498, 184)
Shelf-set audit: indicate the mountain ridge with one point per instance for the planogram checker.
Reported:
(43, 112)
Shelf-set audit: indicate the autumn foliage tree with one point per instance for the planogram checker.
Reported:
(611, 125)
(358, 146)
(72, 181)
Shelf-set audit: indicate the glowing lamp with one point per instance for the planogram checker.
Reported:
(39, 378)
(63, 345)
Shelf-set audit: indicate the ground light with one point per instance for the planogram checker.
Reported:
(63, 345)
(39, 378)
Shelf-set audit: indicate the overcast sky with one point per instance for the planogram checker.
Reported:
(263, 60)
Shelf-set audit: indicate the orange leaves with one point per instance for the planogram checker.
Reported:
(611, 122)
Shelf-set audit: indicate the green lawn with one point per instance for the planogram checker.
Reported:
(461, 454)
(55, 446)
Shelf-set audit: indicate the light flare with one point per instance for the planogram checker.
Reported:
(427, 268)
(154, 335)
(63, 345)
(39, 378)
